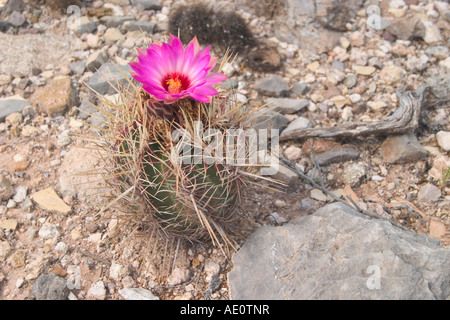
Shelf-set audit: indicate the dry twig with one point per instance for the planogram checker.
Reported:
(404, 119)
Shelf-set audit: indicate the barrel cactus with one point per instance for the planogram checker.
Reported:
(164, 145)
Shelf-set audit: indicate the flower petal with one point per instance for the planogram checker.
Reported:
(201, 98)
(162, 61)
(214, 78)
(206, 91)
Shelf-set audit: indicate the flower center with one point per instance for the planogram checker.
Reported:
(174, 84)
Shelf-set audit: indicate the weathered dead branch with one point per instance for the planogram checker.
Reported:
(404, 119)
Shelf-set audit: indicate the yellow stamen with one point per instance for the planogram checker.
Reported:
(174, 84)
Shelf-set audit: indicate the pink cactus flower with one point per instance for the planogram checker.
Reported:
(170, 72)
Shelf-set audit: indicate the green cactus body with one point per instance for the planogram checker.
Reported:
(185, 197)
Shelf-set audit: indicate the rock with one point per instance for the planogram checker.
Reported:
(16, 19)
(5, 250)
(75, 175)
(353, 173)
(336, 155)
(48, 200)
(402, 149)
(92, 40)
(339, 101)
(417, 64)
(268, 119)
(351, 81)
(357, 39)
(50, 287)
(428, 193)
(300, 88)
(84, 25)
(8, 224)
(97, 291)
(11, 105)
(96, 60)
(6, 189)
(61, 247)
(20, 194)
(120, 2)
(443, 139)
(276, 219)
(5, 79)
(293, 153)
(432, 33)
(38, 81)
(392, 74)
(29, 131)
(377, 105)
(63, 139)
(48, 231)
(113, 35)
(78, 67)
(439, 52)
(336, 253)
(20, 166)
(17, 259)
(445, 64)
(117, 271)
(363, 70)
(318, 195)
(26, 204)
(212, 270)
(286, 175)
(338, 65)
(336, 15)
(146, 26)
(21, 53)
(335, 76)
(147, 4)
(313, 66)
(355, 98)
(273, 86)
(137, 294)
(299, 123)
(14, 118)
(287, 105)
(108, 72)
(178, 276)
(58, 96)
(11, 204)
(86, 110)
(4, 25)
(115, 21)
(280, 203)
(406, 28)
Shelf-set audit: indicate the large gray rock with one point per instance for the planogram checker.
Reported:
(336, 253)
(108, 73)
